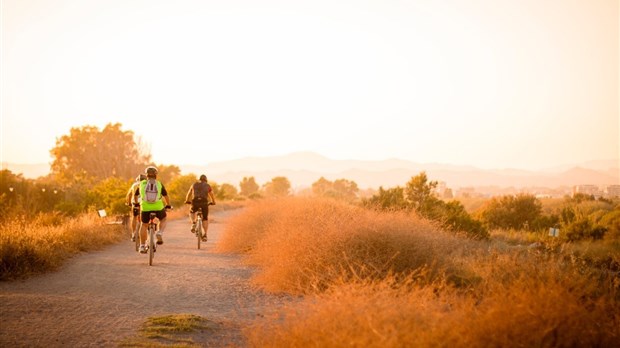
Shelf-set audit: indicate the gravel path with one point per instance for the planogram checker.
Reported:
(100, 298)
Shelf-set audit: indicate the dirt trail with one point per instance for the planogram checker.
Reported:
(100, 298)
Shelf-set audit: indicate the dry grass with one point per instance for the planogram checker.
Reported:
(303, 245)
(42, 243)
(391, 280)
(548, 310)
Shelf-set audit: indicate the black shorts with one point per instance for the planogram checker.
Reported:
(204, 204)
(136, 211)
(146, 215)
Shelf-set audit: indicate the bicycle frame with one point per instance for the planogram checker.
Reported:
(199, 226)
(151, 228)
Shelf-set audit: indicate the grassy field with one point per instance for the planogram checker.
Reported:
(372, 279)
(42, 243)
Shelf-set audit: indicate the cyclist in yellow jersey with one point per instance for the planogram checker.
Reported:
(153, 198)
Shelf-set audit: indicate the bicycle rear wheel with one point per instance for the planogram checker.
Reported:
(137, 236)
(199, 231)
(151, 244)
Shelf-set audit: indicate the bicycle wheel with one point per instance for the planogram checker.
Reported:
(151, 243)
(137, 236)
(199, 231)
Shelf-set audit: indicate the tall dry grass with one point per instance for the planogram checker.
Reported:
(302, 245)
(42, 243)
(391, 280)
(551, 309)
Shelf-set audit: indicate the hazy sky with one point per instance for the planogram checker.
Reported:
(525, 84)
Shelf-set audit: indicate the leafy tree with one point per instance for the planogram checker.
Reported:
(109, 194)
(516, 212)
(390, 199)
(279, 186)
(10, 186)
(166, 173)
(584, 229)
(177, 188)
(611, 221)
(419, 194)
(339, 189)
(93, 154)
(248, 186)
(321, 186)
(226, 192)
(454, 217)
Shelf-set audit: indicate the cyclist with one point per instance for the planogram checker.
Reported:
(153, 198)
(136, 206)
(200, 192)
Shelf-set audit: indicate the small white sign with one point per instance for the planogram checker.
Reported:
(102, 213)
(554, 232)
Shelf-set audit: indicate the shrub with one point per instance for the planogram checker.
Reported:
(511, 212)
(303, 245)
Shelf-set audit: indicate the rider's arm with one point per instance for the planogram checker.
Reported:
(130, 195)
(212, 197)
(164, 195)
(189, 193)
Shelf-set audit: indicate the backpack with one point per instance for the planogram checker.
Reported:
(201, 190)
(151, 193)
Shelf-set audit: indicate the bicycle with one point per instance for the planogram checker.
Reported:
(150, 237)
(198, 231)
(198, 228)
(135, 236)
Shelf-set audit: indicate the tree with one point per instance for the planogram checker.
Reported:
(90, 154)
(279, 186)
(321, 186)
(419, 194)
(390, 199)
(226, 192)
(166, 173)
(248, 186)
(177, 188)
(339, 189)
(109, 194)
(516, 212)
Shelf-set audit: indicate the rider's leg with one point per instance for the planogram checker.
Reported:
(162, 225)
(134, 221)
(192, 220)
(143, 234)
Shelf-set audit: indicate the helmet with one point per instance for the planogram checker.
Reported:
(141, 177)
(203, 177)
(151, 171)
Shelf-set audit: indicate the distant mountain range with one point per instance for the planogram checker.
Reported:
(304, 168)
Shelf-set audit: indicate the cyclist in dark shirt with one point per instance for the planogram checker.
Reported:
(200, 195)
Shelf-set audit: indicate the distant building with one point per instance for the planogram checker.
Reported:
(613, 191)
(590, 190)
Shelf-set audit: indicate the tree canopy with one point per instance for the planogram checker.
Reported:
(248, 186)
(278, 186)
(88, 153)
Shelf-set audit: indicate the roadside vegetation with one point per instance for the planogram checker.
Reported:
(397, 267)
(31, 245)
(389, 278)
